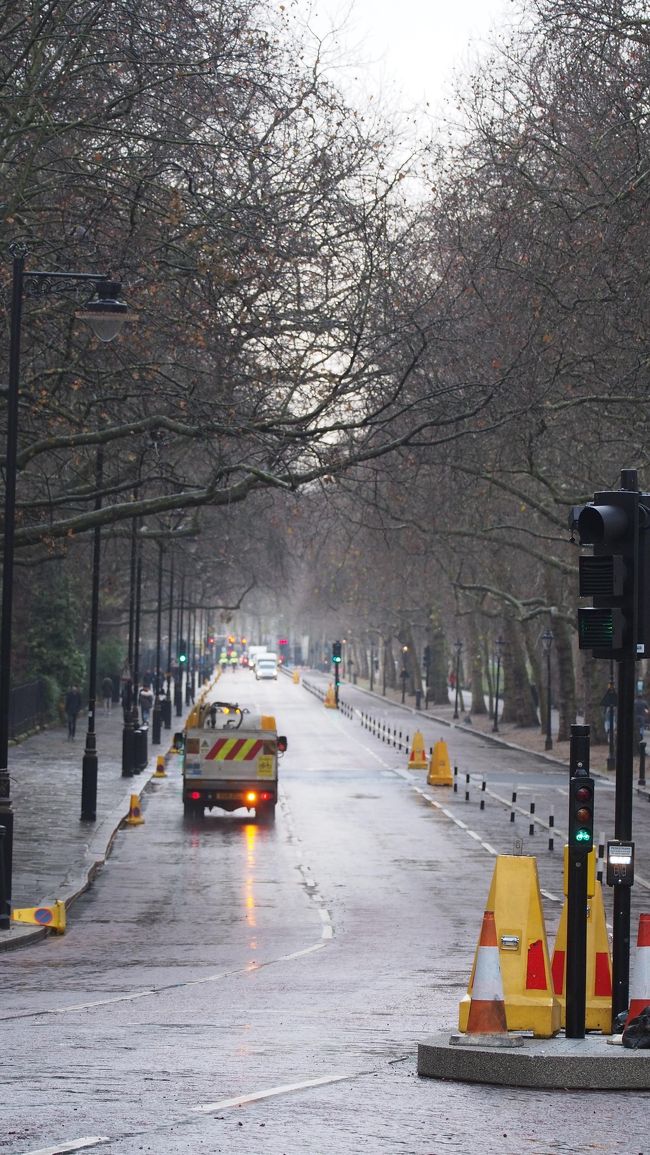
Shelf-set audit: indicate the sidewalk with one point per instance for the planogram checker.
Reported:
(55, 854)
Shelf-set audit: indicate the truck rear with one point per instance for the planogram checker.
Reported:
(230, 760)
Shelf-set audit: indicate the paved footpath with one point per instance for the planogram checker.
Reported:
(56, 855)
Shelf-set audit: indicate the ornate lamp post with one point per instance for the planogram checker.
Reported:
(106, 313)
(458, 646)
(547, 642)
(498, 645)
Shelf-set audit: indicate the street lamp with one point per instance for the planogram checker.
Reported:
(498, 645)
(89, 761)
(426, 663)
(106, 313)
(547, 642)
(404, 673)
(458, 646)
(156, 717)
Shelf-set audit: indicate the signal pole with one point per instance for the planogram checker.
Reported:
(617, 577)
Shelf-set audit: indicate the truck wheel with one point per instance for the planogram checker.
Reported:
(265, 812)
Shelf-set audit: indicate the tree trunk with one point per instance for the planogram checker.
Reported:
(475, 657)
(438, 668)
(518, 706)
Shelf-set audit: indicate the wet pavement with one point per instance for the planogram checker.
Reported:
(224, 987)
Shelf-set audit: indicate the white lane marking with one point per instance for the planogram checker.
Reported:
(549, 894)
(71, 1145)
(270, 1092)
(326, 933)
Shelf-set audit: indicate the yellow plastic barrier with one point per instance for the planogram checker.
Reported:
(330, 699)
(135, 813)
(52, 917)
(160, 771)
(529, 999)
(418, 756)
(598, 990)
(439, 766)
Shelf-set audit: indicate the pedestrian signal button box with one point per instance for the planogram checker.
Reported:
(620, 863)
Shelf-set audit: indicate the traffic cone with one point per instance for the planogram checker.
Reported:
(134, 817)
(487, 1011)
(418, 755)
(439, 766)
(160, 771)
(640, 985)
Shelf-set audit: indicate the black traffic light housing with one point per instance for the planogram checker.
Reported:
(336, 658)
(617, 524)
(581, 813)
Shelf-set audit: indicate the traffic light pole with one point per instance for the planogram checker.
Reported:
(623, 831)
(576, 946)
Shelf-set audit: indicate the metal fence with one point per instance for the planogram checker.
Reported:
(27, 708)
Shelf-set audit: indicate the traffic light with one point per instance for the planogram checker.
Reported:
(581, 812)
(182, 652)
(336, 653)
(613, 628)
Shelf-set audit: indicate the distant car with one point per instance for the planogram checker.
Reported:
(266, 667)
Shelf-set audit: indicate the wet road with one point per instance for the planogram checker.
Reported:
(231, 988)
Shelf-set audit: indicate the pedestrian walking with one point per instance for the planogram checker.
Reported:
(72, 708)
(107, 691)
(146, 703)
(641, 714)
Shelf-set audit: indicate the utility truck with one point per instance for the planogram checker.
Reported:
(230, 760)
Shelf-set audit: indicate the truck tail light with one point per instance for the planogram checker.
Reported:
(251, 796)
(195, 795)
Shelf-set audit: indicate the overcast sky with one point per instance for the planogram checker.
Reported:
(408, 49)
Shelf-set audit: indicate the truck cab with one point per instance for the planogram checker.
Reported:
(230, 760)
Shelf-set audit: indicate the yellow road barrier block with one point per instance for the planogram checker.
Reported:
(598, 989)
(418, 757)
(529, 998)
(330, 699)
(439, 766)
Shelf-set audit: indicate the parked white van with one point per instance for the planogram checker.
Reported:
(266, 666)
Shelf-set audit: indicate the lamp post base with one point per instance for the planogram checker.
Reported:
(89, 780)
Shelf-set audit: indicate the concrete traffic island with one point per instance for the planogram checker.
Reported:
(594, 1063)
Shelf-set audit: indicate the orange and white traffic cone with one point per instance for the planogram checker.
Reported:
(487, 1012)
(640, 985)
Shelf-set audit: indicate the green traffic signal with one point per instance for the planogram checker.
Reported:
(581, 811)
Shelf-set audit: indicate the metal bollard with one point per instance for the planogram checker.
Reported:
(483, 787)
(551, 831)
(531, 827)
(467, 787)
(514, 799)
(641, 781)
(455, 780)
